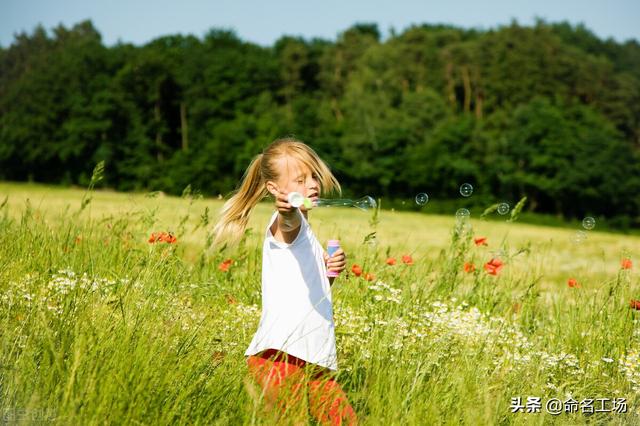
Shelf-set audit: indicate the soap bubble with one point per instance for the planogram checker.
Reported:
(588, 222)
(462, 214)
(422, 199)
(503, 208)
(579, 237)
(466, 189)
(365, 203)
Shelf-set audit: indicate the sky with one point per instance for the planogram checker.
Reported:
(263, 22)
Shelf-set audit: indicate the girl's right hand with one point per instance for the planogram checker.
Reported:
(282, 204)
(289, 219)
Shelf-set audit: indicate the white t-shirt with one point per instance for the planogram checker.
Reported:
(297, 313)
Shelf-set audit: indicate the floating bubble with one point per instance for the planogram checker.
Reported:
(365, 203)
(466, 189)
(588, 222)
(462, 214)
(579, 237)
(503, 208)
(464, 227)
(422, 199)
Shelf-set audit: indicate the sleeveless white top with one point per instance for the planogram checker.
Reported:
(297, 313)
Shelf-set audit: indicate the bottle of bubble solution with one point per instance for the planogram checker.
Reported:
(332, 247)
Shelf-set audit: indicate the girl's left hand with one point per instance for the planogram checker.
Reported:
(337, 262)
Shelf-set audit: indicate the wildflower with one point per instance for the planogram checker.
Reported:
(609, 360)
(407, 259)
(493, 266)
(391, 261)
(224, 266)
(480, 241)
(626, 263)
(369, 277)
(469, 267)
(356, 269)
(516, 307)
(162, 237)
(635, 304)
(170, 238)
(78, 239)
(231, 300)
(573, 283)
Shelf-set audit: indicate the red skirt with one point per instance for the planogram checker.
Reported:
(285, 378)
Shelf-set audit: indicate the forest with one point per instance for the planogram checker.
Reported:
(548, 111)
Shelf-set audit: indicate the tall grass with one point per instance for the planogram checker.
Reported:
(98, 325)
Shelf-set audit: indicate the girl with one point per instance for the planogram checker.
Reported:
(294, 349)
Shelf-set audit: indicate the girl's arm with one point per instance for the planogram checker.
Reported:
(337, 262)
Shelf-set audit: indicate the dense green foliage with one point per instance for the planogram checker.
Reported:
(550, 111)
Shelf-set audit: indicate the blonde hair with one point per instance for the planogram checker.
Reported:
(236, 211)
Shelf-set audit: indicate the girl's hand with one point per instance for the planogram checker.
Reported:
(282, 204)
(289, 219)
(337, 262)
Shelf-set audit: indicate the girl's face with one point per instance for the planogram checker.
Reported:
(295, 176)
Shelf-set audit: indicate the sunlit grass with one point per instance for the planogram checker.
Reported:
(98, 325)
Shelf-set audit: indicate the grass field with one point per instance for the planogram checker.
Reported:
(100, 326)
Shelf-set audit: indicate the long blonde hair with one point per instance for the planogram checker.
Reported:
(236, 211)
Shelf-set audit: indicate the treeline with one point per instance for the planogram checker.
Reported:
(549, 111)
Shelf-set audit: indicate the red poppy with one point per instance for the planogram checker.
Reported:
(626, 263)
(635, 304)
(493, 266)
(480, 241)
(407, 259)
(469, 267)
(356, 269)
(573, 283)
(369, 277)
(162, 237)
(224, 266)
(391, 261)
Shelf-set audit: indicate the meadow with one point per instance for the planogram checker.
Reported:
(101, 322)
